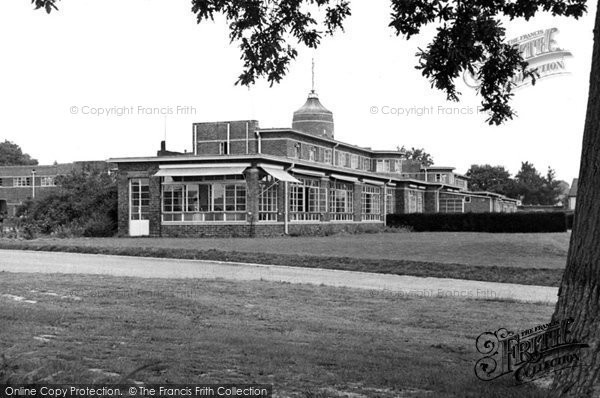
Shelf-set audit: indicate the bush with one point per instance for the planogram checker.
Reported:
(84, 204)
(481, 222)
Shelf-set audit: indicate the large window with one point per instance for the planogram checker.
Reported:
(341, 201)
(312, 154)
(497, 206)
(451, 205)
(22, 181)
(139, 199)
(390, 200)
(371, 203)
(267, 201)
(383, 166)
(415, 201)
(47, 181)
(366, 164)
(327, 155)
(354, 161)
(307, 200)
(441, 178)
(205, 201)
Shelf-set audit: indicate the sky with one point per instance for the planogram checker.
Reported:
(137, 60)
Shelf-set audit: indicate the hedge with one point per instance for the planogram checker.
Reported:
(570, 220)
(481, 222)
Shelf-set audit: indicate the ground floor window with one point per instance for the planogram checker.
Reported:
(451, 205)
(390, 200)
(371, 203)
(497, 206)
(415, 201)
(22, 181)
(206, 201)
(341, 201)
(267, 201)
(307, 200)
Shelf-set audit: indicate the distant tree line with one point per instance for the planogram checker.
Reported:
(528, 185)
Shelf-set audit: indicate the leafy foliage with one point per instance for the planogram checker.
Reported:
(417, 154)
(265, 28)
(12, 155)
(528, 185)
(471, 38)
(536, 189)
(84, 204)
(47, 5)
(491, 179)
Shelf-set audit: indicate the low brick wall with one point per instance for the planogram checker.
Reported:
(265, 230)
(221, 230)
(333, 228)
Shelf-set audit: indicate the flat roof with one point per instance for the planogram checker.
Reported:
(278, 159)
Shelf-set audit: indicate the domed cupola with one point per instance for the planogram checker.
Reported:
(313, 118)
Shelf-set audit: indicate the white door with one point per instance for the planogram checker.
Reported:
(139, 207)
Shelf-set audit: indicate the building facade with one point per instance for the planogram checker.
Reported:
(243, 180)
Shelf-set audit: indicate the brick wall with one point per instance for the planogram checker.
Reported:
(221, 230)
(278, 147)
(126, 172)
(12, 197)
(266, 230)
(478, 205)
(241, 134)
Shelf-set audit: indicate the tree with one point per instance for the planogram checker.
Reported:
(552, 191)
(529, 184)
(418, 154)
(534, 189)
(83, 204)
(470, 37)
(491, 178)
(12, 155)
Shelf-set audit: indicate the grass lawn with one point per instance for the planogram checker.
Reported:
(543, 250)
(308, 341)
(535, 259)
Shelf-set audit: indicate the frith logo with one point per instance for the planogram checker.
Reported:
(530, 354)
(540, 50)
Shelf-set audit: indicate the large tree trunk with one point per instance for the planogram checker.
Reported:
(579, 294)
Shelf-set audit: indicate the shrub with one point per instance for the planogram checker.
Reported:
(84, 204)
(481, 222)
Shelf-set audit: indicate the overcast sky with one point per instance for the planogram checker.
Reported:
(151, 53)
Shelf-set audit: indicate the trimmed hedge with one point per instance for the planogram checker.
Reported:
(481, 222)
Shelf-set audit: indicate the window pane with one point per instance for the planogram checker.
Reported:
(218, 197)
